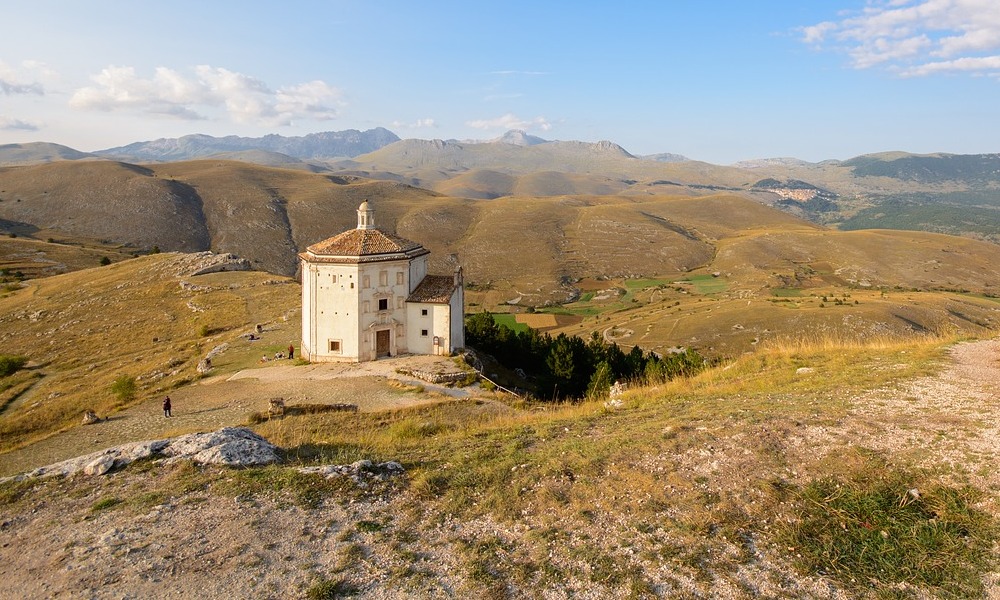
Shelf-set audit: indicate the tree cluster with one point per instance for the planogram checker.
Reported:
(569, 367)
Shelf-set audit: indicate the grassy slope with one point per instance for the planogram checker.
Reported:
(35, 258)
(693, 487)
(133, 318)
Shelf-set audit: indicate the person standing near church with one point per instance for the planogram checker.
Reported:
(291, 351)
(166, 406)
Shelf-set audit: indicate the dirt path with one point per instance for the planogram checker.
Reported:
(227, 400)
(949, 421)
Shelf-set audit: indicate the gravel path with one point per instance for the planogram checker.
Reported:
(228, 400)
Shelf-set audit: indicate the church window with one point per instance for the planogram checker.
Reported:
(423, 333)
(399, 302)
(383, 304)
(383, 278)
(352, 285)
(334, 345)
(423, 312)
(367, 282)
(333, 277)
(399, 278)
(366, 305)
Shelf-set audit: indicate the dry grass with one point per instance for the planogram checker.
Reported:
(693, 474)
(131, 319)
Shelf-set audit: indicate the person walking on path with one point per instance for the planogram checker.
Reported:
(291, 351)
(166, 406)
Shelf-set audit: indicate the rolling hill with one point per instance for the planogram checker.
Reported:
(648, 255)
(38, 152)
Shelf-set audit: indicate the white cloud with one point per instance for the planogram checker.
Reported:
(10, 124)
(418, 124)
(976, 64)
(911, 36)
(12, 82)
(244, 98)
(510, 121)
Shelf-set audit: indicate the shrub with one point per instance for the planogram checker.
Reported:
(10, 364)
(105, 261)
(124, 388)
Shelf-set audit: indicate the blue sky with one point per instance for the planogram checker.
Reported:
(717, 81)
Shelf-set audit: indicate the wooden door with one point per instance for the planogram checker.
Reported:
(382, 343)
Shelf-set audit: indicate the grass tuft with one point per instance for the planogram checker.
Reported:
(887, 527)
(330, 589)
(105, 503)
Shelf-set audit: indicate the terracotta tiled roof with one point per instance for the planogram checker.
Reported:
(435, 289)
(363, 245)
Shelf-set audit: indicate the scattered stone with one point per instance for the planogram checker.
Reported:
(359, 471)
(100, 465)
(90, 417)
(276, 407)
(804, 370)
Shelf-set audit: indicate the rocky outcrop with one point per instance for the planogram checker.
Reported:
(359, 471)
(201, 263)
(231, 446)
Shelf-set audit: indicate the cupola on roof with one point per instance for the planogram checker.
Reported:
(366, 243)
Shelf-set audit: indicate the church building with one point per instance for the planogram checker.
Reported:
(366, 295)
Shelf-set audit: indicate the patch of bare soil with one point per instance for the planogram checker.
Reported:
(228, 400)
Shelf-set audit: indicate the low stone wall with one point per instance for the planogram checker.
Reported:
(438, 378)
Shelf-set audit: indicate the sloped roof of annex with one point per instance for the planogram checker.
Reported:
(434, 289)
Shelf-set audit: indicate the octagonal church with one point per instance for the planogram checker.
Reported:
(366, 295)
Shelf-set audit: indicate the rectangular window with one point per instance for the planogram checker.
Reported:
(423, 333)
(383, 278)
(383, 304)
(423, 312)
(335, 346)
(333, 277)
(399, 278)
(399, 301)
(366, 282)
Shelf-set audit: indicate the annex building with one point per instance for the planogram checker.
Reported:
(366, 295)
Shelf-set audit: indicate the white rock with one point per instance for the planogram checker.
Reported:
(100, 465)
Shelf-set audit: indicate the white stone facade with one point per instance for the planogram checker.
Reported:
(363, 298)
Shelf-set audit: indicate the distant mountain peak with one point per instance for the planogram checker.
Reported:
(518, 137)
(667, 157)
(760, 163)
(608, 146)
(326, 144)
